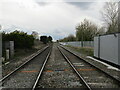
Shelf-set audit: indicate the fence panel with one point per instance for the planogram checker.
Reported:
(108, 48)
(119, 49)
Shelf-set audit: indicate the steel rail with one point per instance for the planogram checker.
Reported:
(8, 75)
(117, 80)
(41, 70)
(84, 82)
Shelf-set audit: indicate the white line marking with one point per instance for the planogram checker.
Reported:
(108, 66)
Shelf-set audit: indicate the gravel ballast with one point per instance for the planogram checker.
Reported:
(25, 77)
(12, 64)
(58, 73)
(94, 77)
(114, 72)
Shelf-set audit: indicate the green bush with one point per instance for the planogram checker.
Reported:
(45, 39)
(21, 39)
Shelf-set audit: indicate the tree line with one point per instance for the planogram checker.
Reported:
(22, 39)
(86, 30)
(46, 39)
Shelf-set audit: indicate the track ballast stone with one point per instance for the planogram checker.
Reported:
(25, 77)
(58, 73)
(94, 77)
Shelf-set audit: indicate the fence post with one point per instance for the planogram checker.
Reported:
(99, 46)
(119, 48)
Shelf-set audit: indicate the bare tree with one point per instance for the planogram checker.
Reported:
(70, 37)
(110, 16)
(86, 31)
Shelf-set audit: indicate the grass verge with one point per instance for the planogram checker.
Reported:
(87, 51)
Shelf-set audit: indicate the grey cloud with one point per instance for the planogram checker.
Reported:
(42, 3)
(82, 5)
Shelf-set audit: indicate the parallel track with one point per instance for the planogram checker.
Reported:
(41, 70)
(116, 80)
(22, 65)
(84, 82)
(81, 78)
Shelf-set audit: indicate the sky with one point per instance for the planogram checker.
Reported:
(57, 18)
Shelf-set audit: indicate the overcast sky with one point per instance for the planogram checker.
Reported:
(48, 17)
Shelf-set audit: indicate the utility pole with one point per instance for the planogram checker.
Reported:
(82, 39)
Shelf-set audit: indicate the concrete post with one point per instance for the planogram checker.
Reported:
(7, 54)
(11, 48)
(99, 46)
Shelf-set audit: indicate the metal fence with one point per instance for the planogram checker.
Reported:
(79, 43)
(107, 47)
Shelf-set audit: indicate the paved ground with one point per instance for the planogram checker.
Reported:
(58, 73)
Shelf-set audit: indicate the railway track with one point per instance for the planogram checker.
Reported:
(22, 76)
(29, 74)
(91, 75)
(40, 72)
(58, 68)
(81, 78)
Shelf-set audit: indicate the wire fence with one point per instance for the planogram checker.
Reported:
(79, 43)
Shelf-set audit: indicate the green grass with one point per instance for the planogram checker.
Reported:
(88, 51)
